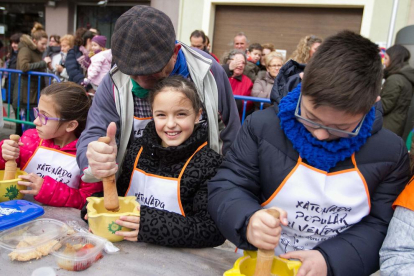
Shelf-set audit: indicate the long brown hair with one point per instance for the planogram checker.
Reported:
(71, 101)
(399, 57)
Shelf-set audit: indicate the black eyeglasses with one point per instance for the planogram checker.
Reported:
(333, 131)
(43, 119)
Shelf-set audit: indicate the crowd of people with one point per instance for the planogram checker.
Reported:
(81, 58)
(177, 145)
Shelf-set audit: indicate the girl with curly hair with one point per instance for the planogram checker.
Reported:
(306, 48)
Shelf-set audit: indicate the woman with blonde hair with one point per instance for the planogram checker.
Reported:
(262, 87)
(306, 48)
(67, 42)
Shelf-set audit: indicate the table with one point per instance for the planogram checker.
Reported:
(132, 259)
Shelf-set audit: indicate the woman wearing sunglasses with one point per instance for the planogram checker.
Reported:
(48, 153)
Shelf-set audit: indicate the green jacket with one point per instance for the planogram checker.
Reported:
(396, 96)
(29, 58)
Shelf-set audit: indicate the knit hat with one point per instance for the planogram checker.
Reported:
(143, 41)
(100, 40)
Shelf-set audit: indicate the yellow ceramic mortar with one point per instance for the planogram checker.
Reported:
(245, 266)
(9, 189)
(102, 221)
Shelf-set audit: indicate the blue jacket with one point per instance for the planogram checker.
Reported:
(73, 68)
(260, 159)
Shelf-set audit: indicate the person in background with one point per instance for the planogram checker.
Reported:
(253, 60)
(11, 61)
(306, 48)
(397, 91)
(77, 59)
(262, 87)
(52, 51)
(266, 49)
(100, 62)
(240, 83)
(292, 72)
(67, 42)
(240, 42)
(29, 58)
(200, 41)
(94, 31)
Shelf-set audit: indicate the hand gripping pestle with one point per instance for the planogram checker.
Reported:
(265, 257)
(111, 201)
(11, 165)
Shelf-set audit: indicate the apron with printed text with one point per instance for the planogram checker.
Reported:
(56, 164)
(139, 125)
(319, 205)
(157, 191)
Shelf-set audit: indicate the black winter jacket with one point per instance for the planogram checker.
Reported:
(197, 228)
(260, 159)
(72, 66)
(287, 79)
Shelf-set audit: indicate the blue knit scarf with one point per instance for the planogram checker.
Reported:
(323, 155)
(180, 67)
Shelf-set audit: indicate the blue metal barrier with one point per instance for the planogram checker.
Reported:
(262, 101)
(11, 73)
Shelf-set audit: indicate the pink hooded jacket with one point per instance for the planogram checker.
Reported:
(100, 65)
(53, 193)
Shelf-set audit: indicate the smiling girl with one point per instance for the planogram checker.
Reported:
(167, 170)
(48, 153)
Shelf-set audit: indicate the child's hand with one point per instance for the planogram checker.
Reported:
(102, 157)
(131, 222)
(263, 230)
(33, 181)
(10, 150)
(313, 263)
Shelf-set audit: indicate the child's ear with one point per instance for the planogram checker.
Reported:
(72, 125)
(198, 116)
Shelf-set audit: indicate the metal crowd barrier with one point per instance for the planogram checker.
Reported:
(262, 101)
(9, 94)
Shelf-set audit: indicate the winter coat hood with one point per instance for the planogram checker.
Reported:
(408, 72)
(26, 41)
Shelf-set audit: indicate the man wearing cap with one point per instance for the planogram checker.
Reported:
(144, 50)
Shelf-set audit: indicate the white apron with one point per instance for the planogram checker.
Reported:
(139, 125)
(57, 164)
(157, 191)
(319, 205)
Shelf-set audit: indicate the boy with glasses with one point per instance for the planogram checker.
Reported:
(323, 160)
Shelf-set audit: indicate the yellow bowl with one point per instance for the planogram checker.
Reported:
(245, 266)
(9, 189)
(102, 221)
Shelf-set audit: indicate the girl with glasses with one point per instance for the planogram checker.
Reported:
(48, 153)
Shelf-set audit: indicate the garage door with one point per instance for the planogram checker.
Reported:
(282, 26)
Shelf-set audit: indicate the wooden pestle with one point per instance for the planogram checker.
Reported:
(111, 201)
(11, 165)
(265, 257)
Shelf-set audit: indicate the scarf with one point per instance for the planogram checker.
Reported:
(180, 67)
(323, 155)
(138, 91)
